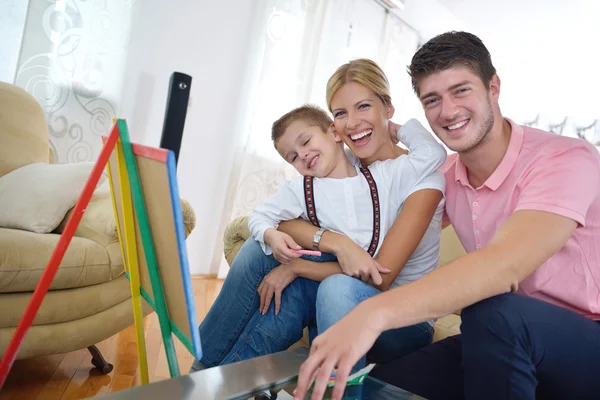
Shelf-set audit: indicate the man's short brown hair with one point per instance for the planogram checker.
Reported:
(448, 50)
(308, 112)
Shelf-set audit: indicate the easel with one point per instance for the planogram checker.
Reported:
(150, 272)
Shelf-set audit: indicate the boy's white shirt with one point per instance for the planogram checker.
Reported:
(345, 205)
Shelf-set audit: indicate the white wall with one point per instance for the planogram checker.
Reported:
(208, 40)
(545, 51)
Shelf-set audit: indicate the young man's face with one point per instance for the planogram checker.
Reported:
(458, 107)
(361, 119)
(310, 150)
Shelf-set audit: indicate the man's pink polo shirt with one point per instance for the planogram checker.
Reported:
(546, 172)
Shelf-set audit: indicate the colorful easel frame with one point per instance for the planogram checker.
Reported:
(129, 155)
(151, 173)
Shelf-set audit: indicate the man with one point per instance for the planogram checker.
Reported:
(526, 207)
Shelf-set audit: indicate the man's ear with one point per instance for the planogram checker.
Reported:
(495, 87)
(390, 111)
(331, 130)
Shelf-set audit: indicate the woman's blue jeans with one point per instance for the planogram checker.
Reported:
(339, 294)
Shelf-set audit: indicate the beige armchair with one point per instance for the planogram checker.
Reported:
(89, 299)
(237, 233)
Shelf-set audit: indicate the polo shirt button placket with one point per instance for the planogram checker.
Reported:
(475, 230)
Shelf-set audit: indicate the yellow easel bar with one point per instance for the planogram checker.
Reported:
(129, 243)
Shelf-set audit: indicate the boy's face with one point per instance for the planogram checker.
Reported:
(458, 107)
(361, 119)
(310, 150)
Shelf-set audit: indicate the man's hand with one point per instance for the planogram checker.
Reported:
(282, 245)
(336, 348)
(272, 285)
(393, 131)
(356, 262)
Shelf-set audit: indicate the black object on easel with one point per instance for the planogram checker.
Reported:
(177, 103)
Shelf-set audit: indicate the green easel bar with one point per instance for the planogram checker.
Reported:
(149, 252)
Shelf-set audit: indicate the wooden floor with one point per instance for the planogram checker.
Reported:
(72, 376)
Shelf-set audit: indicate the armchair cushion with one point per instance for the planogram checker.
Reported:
(98, 220)
(24, 255)
(236, 233)
(36, 197)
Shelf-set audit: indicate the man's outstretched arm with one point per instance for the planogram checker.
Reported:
(523, 243)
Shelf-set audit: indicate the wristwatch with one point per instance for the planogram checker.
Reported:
(317, 239)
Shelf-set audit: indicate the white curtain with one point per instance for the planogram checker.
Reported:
(300, 44)
(72, 60)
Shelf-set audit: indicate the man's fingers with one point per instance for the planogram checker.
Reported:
(343, 371)
(323, 377)
(277, 301)
(307, 372)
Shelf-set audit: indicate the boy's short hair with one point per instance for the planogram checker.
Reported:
(449, 50)
(308, 112)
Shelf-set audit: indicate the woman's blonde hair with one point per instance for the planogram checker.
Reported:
(363, 71)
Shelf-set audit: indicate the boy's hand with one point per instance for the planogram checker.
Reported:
(356, 262)
(282, 245)
(272, 285)
(393, 130)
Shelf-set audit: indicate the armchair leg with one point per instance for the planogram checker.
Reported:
(98, 360)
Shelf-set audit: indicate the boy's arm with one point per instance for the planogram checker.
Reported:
(283, 205)
(303, 231)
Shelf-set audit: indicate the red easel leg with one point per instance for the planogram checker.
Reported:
(56, 257)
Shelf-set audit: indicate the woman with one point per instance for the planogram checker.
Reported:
(239, 327)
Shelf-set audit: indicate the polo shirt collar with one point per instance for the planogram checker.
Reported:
(506, 165)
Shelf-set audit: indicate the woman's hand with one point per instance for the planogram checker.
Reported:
(356, 262)
(336, 348)
(282, 245)
(272, 285)
(393, 131)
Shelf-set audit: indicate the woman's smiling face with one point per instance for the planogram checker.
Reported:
(360, 118)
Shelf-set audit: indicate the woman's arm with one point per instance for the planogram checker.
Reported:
(406, 233)
(315, 271)
(353, 259)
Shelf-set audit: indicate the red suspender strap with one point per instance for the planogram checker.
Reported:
(376, 214)
(309, 198)
(311, 211)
